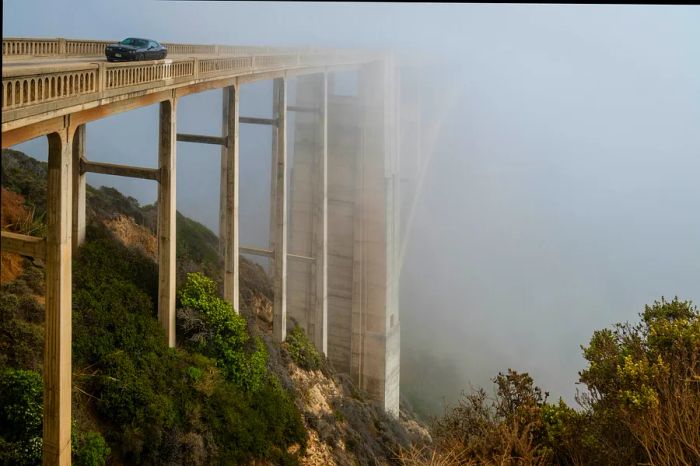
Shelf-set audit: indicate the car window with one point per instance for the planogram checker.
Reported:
(134, 42)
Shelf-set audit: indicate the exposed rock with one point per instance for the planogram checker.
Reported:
(132, 234)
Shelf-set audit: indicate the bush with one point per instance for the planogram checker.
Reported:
(211, 402)
(217, 331)
(21, 414)
(302, 351)
(92, 450)
(642, 405)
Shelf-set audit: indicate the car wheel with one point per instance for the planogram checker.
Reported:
(141, 57)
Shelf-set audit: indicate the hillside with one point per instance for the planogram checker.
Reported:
(226, 395)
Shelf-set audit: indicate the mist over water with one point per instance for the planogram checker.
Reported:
(561, 190)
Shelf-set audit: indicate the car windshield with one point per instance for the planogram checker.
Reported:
(134, 42)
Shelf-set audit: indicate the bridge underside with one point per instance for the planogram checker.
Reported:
(334, 221)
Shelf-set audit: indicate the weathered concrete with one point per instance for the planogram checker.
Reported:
(343, 154)
(307, 280)
(378, 363)
(167, 219)
(279, 208)
(24, 245)
(57, 336)
(364, 330)
(229, 152)
(79, 187)
(85, 166)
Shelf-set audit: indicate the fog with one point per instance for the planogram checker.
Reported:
(562, 149)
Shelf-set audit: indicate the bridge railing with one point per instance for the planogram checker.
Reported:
(27, 86)
(18, 47)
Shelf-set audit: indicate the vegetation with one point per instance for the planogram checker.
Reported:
(642, 404)
(302, 351)
(213, 400)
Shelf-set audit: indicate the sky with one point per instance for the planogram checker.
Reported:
(561, 192)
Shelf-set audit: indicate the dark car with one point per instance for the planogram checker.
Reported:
(135, 49)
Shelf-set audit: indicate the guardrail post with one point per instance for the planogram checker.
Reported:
(102, 77)
(62, 47)
(196, 68)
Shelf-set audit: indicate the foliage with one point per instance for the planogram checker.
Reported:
(644, 383)
(21, 318)
(642, 404)
(302, 351)
(90, 449)
(211, 402)
(496, 429)
(26, 176)
(197, 251)
(21, 416)
(225, 334)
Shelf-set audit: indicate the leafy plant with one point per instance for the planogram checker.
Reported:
(21, 405)
(222, 333)
(302, 351)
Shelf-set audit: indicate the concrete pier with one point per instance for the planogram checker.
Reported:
(57, 336)
(307, 279)
(167, 218)
(278, 238)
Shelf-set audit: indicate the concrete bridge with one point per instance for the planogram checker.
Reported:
(334, 226)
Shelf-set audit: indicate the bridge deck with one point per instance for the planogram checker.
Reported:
(44, 79)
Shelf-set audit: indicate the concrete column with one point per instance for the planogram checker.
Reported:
(224, 171)
(167, 219)
(307, 281)
(377, 252)
(229, 154)
(344, 139)
(279, 207)
(57, 337)
(321, 227)
(78, 188)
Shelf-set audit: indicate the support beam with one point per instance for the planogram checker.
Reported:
(230, 193)
(24, 245)
(167, 218)
(119, 170)
(259, 121)
(302, 109)
(216, 140)
(57, 338)
(79, 187)
(301, 258)
(279, 203)
(256, 251)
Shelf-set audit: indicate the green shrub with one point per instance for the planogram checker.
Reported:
(642, 404)
(92, 450)
(302, 351)
(21, 414)
(222, 334)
